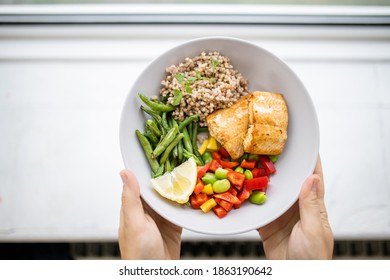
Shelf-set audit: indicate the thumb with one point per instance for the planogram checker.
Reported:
(309, 203)
(132, 212)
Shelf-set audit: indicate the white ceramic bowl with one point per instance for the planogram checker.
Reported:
(264, 71)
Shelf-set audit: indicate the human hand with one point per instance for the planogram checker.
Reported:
(303, 232)
(143, 234)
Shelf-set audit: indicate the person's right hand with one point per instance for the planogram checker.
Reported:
(303, 232)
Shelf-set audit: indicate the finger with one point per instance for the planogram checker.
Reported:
(131, 210)
(321, 193)
(309, 206)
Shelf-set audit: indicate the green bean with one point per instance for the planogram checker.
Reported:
(148, 151)
(187, 140)
(194, 134)
(180, 151)
(203, 129)
(194, 140)
(160, 107)
(164, 121)
(168, 167)
(173, 163)
(188, 155)
(187, 121)
(169, 148)
(166, 140)
(153, 127)
(159, 172)
(155, 115)
(150, 135)
(189, 130)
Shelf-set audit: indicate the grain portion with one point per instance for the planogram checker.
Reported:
(207, 82)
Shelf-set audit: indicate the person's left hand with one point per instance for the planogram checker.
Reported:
(143, 234)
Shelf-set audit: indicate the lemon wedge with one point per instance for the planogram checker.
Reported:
(178, 184)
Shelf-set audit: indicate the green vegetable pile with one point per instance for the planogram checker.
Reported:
(166, 142)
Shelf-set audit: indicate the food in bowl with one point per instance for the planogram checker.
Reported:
(256, 124)
(201, 85)
(205, 94)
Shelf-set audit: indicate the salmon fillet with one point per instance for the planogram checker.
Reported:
(256, 124)
(229, 126)
(268, 121)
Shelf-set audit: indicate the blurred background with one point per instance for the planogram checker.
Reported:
(67, 66)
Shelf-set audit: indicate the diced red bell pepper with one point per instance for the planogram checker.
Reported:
(243, 195)
(259, 183)
(228, 164)
(233, 191)
(228, 197)
(219, 211)
(203, 169)
(236, 179)
(248, 164)
(214, 165)
(197, 200)
(216, 155)
(224, 154)
(258, 172)
(267, 164)
(199, 187)
(224, 204)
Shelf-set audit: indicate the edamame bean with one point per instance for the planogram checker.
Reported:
(221, 186)
(258, 197)
(221, 173)
(239, 169)
(207, 157)
(209, 178)
(248, 174)
(273, 158)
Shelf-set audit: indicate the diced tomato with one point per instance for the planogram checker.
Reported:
(199, 186)
(203, 169)
(267, 164)
(248, 164)
(216, 155)
(259, 183)
(214, 165)
(228, 197)
(222, 151)
(224, 204)
(258, 172)
(197, 200)
(228, 164)
(219, 211)
(236, 179)
(233, 191)
(229, 169)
